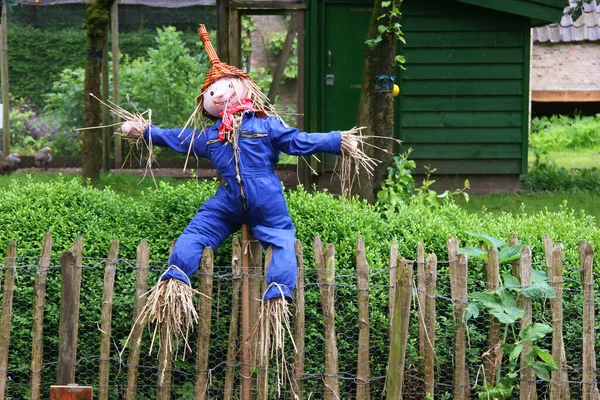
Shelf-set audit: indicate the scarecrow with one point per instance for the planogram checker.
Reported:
(243, 143)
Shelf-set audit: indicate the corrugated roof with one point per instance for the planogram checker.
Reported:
(586, 27)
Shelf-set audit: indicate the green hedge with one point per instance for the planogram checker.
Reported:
(67, 209)
(37, 56)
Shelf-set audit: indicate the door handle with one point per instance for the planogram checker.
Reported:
(329, 58)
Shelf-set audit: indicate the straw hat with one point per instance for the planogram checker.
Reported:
(218, 68)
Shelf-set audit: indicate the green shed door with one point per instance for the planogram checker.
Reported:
(345, 29)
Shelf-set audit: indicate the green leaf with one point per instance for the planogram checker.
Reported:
(487, 239)
(510, 281)
(541, 371)
(471, 311)
(516, 352)
(473, 252)
(545, 356)
(385, 4)
(535, 331)
(381, 29)
(510, 253)
(502, 306)
(538, 276)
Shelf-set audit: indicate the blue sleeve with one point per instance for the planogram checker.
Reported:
(291, 141)
(177, 139)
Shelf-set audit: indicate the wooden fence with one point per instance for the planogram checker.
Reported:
(402, 312)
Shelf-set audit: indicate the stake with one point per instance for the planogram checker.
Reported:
(245, 314)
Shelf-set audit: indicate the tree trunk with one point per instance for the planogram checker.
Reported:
(97, 19)
(376, 110)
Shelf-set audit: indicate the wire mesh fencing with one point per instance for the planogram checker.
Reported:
(334, 362)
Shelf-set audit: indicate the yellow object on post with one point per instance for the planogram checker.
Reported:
(396, 90)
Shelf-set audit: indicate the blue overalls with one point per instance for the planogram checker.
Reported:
(264, 208)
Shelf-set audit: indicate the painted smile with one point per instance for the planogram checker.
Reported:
(224, 102)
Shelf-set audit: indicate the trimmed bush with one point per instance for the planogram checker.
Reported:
(67, 209)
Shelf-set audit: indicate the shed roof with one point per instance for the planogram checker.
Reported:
(586, 27)
(150, 3)
(540, 11)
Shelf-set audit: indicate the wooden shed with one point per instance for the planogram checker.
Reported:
(465, 97)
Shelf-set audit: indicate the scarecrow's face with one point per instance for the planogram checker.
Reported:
(224, 93)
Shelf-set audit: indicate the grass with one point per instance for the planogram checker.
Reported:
(127, 185)
(571, 159)
(532, 203)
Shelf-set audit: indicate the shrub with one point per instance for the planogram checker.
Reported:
(167, 81)
(560, 132)
(546, 176)
(67, 209)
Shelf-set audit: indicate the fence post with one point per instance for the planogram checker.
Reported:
(7, 304)
(39, 301)
(69, 316)
(458, 289)
(393, 270)
(106, 326)
(363, 374)
(165, 356)
(204, 322)
(429, 350)
(421, 297)
(236, 264)
(245, 299)
(261, 379)
(325, 263)
(589, 380)
(492, 273)
(141, 290)
(527, 378)
(548, 246)
(299, 328)
(400, 322)
(559, 382)
(255, 288)
(165, 364)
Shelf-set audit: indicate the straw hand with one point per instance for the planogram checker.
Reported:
(349, 143)
(132, 129)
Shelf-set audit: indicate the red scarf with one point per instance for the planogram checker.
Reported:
(227, 116)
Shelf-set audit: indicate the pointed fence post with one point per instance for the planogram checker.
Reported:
(69, 316)
(559, 381)
(256, 289)
(299, 327)
(260, 381)
(245, 294)
(7, 304)
(236, 264)
(429, 350)
(325, 264)
(421, 297)
(492, 273)
(527, 378)
(363, 374)
(589, 380)
(393, 270)
(458, 287)
(106, 327)
(204, 322)
(165, 357)
(141, 290)
(39, 304)
(400, 322)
